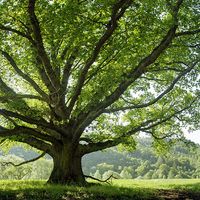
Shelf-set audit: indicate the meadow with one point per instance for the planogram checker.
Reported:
(115, 190)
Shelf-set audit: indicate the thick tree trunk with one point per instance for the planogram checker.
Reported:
(67, 167)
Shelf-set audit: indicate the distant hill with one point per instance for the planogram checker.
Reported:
(144, 163)
(181, 161)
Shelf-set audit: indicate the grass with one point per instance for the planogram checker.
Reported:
(186, 184)
(119, 189)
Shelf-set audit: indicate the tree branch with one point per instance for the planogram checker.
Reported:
(27, 119)
(25, 162)
(166, 91)
(103, 64)
(37, 134)
(117, 12)
(36, 143)
(10, 92)
(5, 89)
(184, 33)
(26, 131)
(91, 112)
(102, 181)
(144, 126)
(134, 75)
(7, 98)
(67, 68)
(7, 28)
(40, 47)
(159, 138)
(28, 136)
(92, 147)
(152, 125)
(23, 75)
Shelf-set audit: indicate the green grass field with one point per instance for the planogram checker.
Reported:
(116, 190)
(187, 184)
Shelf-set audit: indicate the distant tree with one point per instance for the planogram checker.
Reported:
(41, 169)
(196, 173)
(8, 171)
(125, 174)
(178, 176)
(172, 173)
(155, 175)
(103, 167)
(97, 175)
(149, 174)
(80, 77)
(107, 174)
(143, 168)
(111, 174)
(160, 161)
(163, 170)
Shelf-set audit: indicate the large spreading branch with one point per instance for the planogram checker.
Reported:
(25, 162)
(67, 68)
(117, 12)
(29, 136)
(27, 119)
(37, 134)
(40, 122)
(165, 119)
(5, 88)
(48, 74)
(144, 126)
(54, 80)
(37, 143)
(42, 72)
(21, 34)
(91, 112)
(7, 98)
(7, 91)
(23, 75)
(159, 97)
(26, 132)
(189, 32)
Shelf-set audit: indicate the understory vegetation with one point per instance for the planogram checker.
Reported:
(118, 189)
(181, 161)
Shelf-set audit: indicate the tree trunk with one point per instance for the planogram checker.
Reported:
(67, 167)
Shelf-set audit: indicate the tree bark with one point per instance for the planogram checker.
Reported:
(67, 168)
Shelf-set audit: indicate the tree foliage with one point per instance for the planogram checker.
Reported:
(84, 76)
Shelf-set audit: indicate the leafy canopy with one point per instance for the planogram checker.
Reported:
(98, 71)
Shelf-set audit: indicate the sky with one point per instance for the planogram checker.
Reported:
(194, 136)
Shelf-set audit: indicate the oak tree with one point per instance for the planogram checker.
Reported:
(81, 76)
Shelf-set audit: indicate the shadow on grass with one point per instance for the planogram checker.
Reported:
(38, 190)
(194, 187)
(182, 192)
(57, 192)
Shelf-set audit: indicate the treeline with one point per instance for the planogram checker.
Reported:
(143, 163)
(181, 161)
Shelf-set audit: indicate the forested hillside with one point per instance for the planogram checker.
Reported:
(145, 162)
(182, 161)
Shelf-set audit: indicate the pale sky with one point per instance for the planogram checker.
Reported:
(194, 136)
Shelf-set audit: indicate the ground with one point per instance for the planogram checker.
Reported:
(117, 190)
